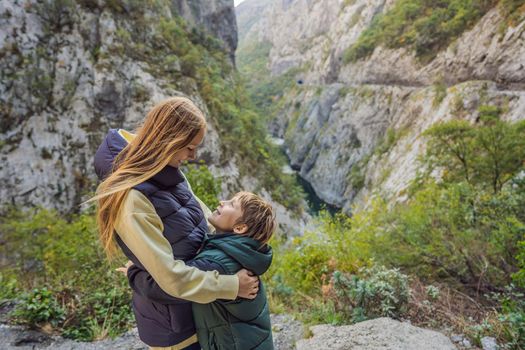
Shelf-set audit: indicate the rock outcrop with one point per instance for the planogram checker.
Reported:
(70, 70)
(355, 129)
(68, 75)
(378, 334)
(288, 334)
(286, 331)
(217, 17)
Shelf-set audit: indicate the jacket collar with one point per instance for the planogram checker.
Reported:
(168, 177)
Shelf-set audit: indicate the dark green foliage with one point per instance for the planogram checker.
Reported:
(519, 277)
(63, 271)
(489, 153)
(38, 306)
(424, 26)
(509, 323)
(457, 233)
(105, 312)
(512, 318)
(8, 289)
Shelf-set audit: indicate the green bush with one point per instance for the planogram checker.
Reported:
(304, 264)
(512, 318)
(519, 277)
(458, 233)
(38, 306)
(508, 325)
(374, 292)
(63, 273)
(104, 313)
(488, 154)
(467, 227)
(8, 288)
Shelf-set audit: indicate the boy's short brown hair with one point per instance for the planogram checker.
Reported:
(258, 215)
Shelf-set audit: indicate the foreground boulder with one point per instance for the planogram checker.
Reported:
(378, 334)
(286, 331)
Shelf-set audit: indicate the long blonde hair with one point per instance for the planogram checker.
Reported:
(169, 127)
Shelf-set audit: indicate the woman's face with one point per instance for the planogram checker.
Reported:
(188, 153)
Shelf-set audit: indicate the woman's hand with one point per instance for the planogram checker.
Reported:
(124, 269)
(248, 284)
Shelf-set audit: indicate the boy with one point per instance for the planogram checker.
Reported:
(244, 225)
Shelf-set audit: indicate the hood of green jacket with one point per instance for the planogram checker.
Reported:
(245, 250)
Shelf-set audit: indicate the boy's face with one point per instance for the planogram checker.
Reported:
(226, 215)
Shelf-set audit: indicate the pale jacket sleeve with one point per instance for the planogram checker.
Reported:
(140, 228)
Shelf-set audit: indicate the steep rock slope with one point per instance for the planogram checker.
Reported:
(70, 70)
(352, 129)
(217, 17)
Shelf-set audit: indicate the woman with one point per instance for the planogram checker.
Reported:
(145, 199)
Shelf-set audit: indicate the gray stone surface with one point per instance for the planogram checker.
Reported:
(216, 16)
(67, 81)
(19, 338)
(489, 343)
(286, 332)
(378, 334)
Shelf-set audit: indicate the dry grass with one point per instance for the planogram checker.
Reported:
(452, 309)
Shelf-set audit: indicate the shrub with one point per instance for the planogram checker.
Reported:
(63, 273)
(374, 292)
(519, 277)
(8, 287)
(512, 318)
(432, 292)
(304, 264)
(507, 324)
(488, 154)
(37, 306)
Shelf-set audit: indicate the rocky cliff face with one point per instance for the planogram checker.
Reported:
(69, 72)
(355, 129)
(217, 17)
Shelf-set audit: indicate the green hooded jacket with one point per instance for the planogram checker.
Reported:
(240, 324)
